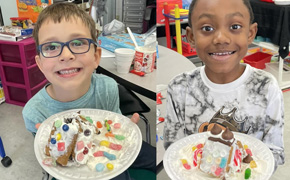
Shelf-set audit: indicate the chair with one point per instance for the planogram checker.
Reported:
(130, 103)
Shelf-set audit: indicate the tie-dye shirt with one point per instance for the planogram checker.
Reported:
(193, 100)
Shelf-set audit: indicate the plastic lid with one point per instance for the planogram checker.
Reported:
(18, 18)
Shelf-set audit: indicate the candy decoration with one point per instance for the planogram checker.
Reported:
(110, 122)
(80, 145)
(117, 125)
(61, 146)
(87, 132)
(57, 123)
(237, 158)
(218, 171)
(89, 119)
(107, 126)
(223, 162)
(248, 151)
(198, 151)
(185, 164)
(65, 127)
(105, 154)
(86, 150)
(100, 167)
(245, 146)
(253, 164)
(99, 124)
(161, 119)
(110, 166)
(110, 145)
(58, 136)
(118, 137)
(194, 148)
(247, 173)
(80, 156)
(52, 140)
(47, 161)
(199, 146)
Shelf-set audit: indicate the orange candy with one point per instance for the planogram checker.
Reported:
(99, 124)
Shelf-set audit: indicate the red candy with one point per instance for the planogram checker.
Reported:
(80, 156)
(199, 146)
(80, 145)
(98, 154)
(218, 171)
(248, 151)
(117, 125)
(61, 146)
(116, 147)
(86, 150)
(110, 121)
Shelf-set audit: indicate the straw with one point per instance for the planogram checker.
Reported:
(132, 37)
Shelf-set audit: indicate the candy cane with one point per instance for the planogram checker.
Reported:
(237, 157)
(196, 152)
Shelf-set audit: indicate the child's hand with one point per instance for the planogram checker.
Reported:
(37, 125)
(135, 118)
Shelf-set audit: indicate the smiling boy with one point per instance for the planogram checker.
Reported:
(68, 55)
(221, 31)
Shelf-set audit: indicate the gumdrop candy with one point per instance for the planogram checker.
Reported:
(199, 146)
(100, 167)
(80, 156)
(99, 124)
(61, 146)
(80, 145)
(218, 171)
(248, 151)
(247, 173)
(57, 123)
(117, 125)
(253, 164)
(110, 166)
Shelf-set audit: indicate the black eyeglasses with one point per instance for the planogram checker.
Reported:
(76, 46)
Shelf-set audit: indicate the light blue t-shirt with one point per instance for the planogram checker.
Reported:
(102, 94)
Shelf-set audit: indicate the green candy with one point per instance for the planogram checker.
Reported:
(120, 137)
(247, 173)
(89, 119)
(57, 123)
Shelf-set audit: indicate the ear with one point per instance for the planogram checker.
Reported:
(190, 37)
(38, 62)
(252, 32)
(97, 55)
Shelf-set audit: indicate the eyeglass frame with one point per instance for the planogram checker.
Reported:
(91, 41)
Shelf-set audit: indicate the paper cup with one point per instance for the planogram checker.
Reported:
(123, 59)
(144, 59)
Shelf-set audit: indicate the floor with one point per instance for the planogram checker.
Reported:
(18, 142)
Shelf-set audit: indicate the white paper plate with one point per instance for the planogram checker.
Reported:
(174, 169)
(130, 149)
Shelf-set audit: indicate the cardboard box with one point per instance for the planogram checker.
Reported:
(115, 41)
(160, 9)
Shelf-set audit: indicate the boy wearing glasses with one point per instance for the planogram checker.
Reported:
(68, 55)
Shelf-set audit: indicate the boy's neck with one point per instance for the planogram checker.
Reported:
(224, 78)
(63, 95)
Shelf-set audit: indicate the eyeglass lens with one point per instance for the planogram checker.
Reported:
(77, 46)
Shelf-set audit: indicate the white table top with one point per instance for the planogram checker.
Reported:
(169, 64)
(145, 83)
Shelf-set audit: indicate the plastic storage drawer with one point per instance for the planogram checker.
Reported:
(135, 2)
(16, 75)
(134, 7)
(133, 19)
(258, 59)
(134, 14)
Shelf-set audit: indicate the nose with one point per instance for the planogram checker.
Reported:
(221, 36)
(66, 54)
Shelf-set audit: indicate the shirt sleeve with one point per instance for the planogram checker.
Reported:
(175, 108)
(274, 127)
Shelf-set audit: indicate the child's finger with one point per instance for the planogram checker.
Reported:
(135, 118)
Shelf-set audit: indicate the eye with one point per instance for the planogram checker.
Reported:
(236, 26)
(207, 28)
(51, 46)
(79, 42)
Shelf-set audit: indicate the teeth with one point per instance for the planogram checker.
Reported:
(68, 71)
(222, 54)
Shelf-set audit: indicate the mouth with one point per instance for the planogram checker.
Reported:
(222, 53)
(67, 72)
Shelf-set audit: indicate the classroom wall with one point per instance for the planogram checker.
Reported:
(9, 9)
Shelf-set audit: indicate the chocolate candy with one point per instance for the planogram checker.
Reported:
(87, 132)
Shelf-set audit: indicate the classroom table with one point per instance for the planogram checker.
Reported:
(170, 63)
(145, 85)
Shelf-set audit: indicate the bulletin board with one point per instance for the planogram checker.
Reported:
(31, 8)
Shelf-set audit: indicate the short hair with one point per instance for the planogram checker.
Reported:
(64, 11)
(246, 2)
